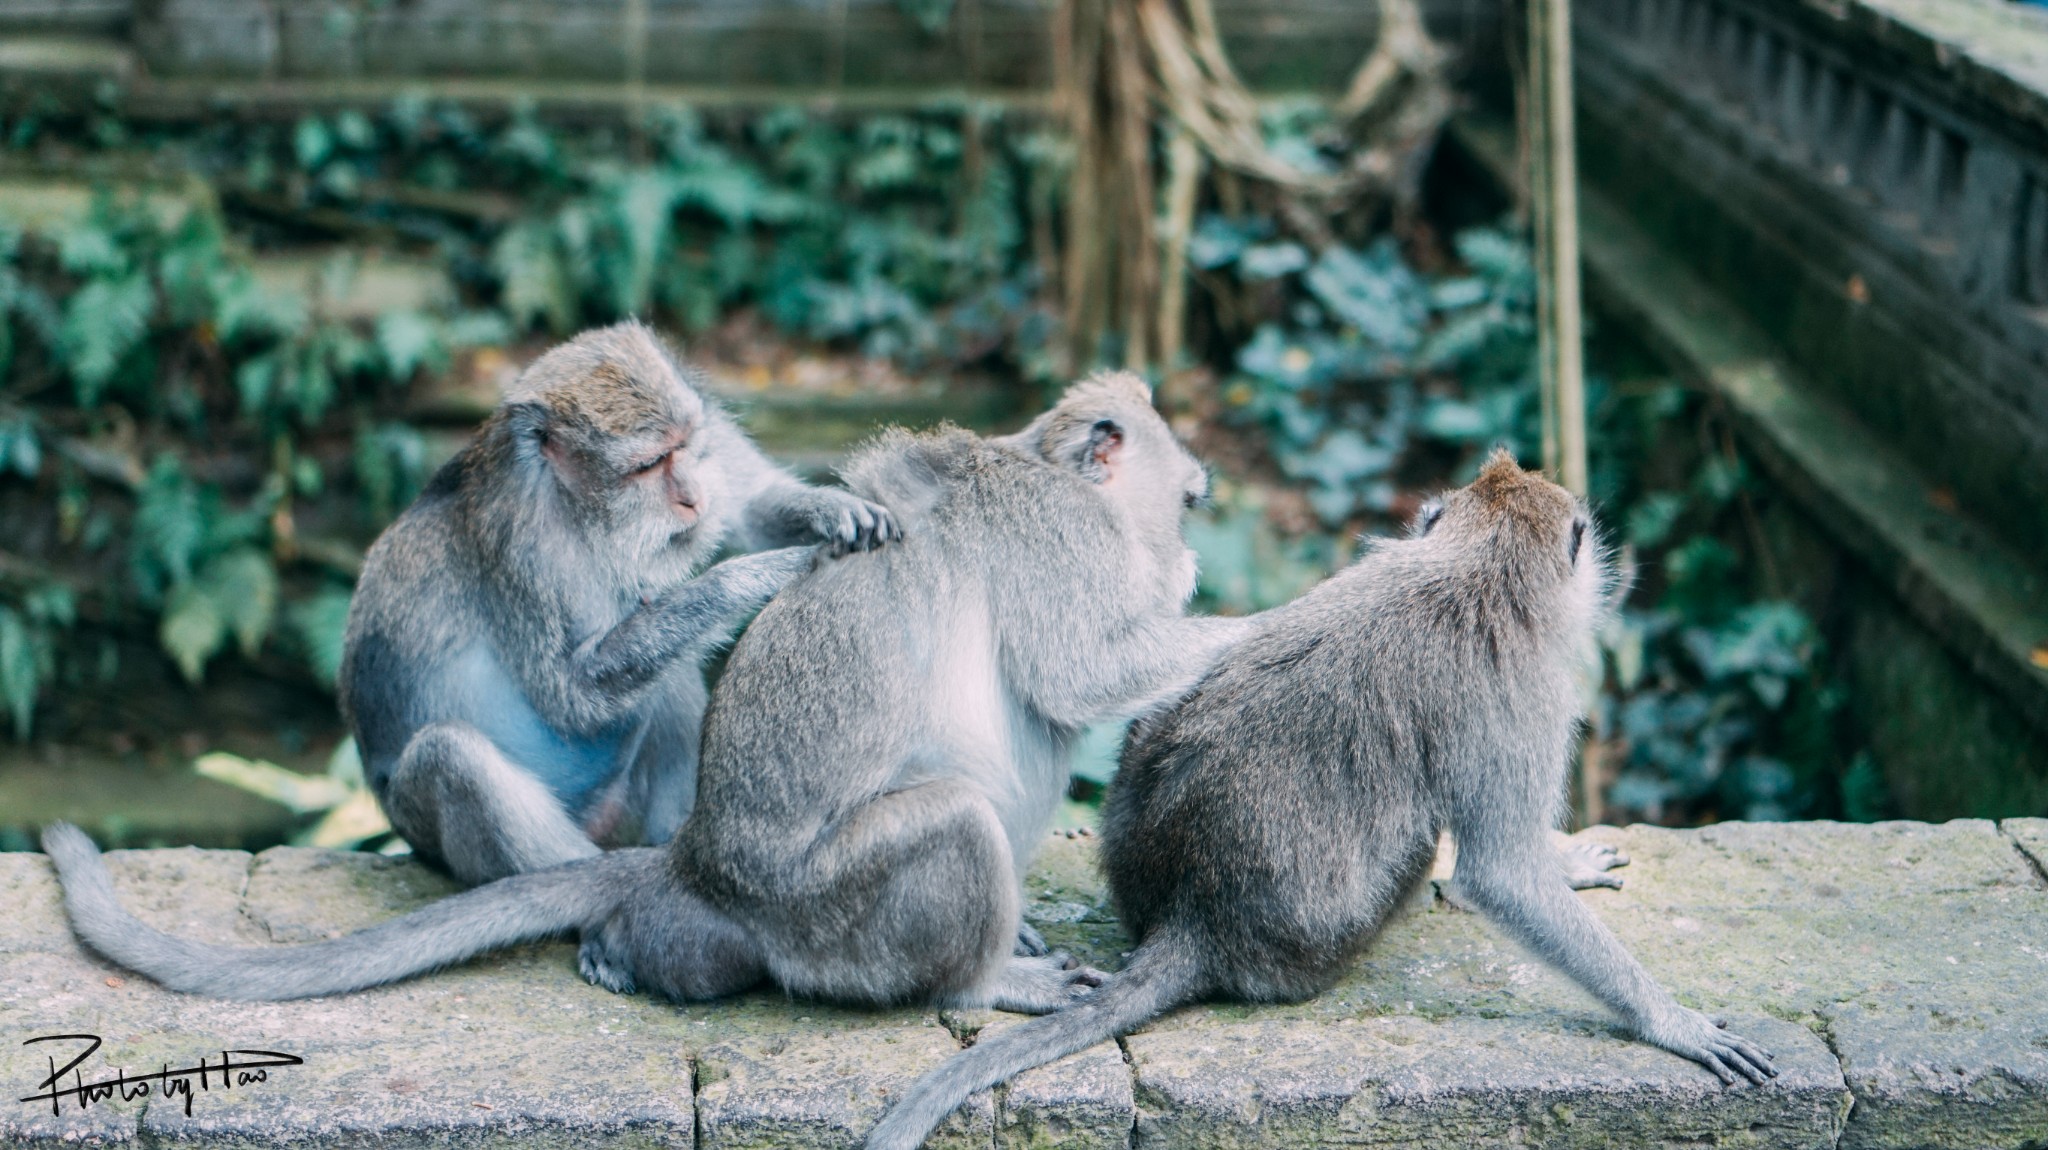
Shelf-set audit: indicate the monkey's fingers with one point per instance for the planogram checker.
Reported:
(1711, 1058)
(877, 527)
(1752, 1060)
(1744, 1060)
(1078, 973)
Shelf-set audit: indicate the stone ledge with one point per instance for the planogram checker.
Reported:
(1896, 970)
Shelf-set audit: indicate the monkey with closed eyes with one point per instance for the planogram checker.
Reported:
(521, 666)
(882, 754)
(1259, 835)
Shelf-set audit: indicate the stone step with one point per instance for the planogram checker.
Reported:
(1894, 969)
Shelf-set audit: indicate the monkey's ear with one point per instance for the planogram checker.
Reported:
(1427, 517)
(1097, 454)
(534, 436)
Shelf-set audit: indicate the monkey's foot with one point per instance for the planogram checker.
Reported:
(1045, 983)
(602, 966)
(1030, 943)
(1690, 1034)
(1586, 864)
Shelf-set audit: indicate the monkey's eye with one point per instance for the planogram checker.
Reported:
(1578, 537)
(1430, 514)
(650, 465)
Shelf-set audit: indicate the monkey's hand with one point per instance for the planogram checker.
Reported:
(1690, 1034)
(846, 522)
(749, 581)
(609, 669)
(1586, 864)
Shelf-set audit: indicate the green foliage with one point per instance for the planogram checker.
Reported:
(871, 234)
(1723, 702)
(28, 642)
(1367, 363)
(175, 352)
(1246, 565)
(320, 621)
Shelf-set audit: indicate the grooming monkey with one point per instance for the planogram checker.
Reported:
(882, 754)
(1259, 835)
(522, 661)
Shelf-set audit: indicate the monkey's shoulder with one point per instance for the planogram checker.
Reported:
(950, 475)
(908, 472)
(415, 551)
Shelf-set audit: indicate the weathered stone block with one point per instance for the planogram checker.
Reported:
(824, 1088)
(1898, 963)
(2031, 835)
(1404, 1081)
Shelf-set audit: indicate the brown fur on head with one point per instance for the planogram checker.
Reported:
(610, 396)
(1536, 507)
(605, 433)
(1507, 503)
(1536, 538)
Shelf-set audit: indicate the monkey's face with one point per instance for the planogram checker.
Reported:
(660, 482)
(627, 437)
(663, 500)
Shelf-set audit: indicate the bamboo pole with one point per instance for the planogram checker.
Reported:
(1554, 206)
(1183, 172)
(1554, 194)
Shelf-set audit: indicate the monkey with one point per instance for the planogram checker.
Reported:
(521, 664)
(1258, 835)
(881, 862)
(880, 756)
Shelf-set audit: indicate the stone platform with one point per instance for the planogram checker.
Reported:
(1898, 971)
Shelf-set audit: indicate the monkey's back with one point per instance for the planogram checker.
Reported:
(406, 616)
(1285, 809)
(852, 697)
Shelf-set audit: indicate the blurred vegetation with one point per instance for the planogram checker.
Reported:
(188, 448)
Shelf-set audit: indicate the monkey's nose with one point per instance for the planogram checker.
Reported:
(682, 492)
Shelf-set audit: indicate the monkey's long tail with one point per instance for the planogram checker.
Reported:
(513, 910)
(1158, 978)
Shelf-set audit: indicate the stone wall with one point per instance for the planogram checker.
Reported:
(1870, 180)
(1895, 970)
(999, 45)
(1834, 213)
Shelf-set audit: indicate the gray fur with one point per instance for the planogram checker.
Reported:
(521, 667)
(886, 745)
(1259, 835)
(518, 909)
